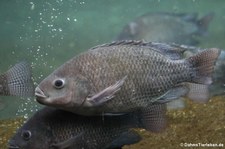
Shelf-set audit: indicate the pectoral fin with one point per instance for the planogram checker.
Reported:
(104, 95)
(67, 143)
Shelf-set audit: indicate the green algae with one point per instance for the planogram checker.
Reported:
(7, 129)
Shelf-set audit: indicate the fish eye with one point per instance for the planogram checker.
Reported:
(26, 135)
(59, 83)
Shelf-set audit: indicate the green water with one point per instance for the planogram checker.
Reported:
(47, 33)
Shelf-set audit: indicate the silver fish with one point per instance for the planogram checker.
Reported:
(124, 76)
(51, 128)
(17, 81)
(180, 28)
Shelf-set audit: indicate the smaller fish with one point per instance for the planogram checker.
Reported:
(17, 81)
(52, 128)
(180, 28)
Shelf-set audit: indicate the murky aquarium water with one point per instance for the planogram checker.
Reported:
(46, 34)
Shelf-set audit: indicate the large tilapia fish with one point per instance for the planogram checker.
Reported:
(124, 76)
(51, 128)
(17, 81)
(180, 28)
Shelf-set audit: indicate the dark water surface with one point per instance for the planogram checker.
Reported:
(47, 33)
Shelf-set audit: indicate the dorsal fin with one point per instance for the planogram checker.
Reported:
(122, 42)
(173, 51)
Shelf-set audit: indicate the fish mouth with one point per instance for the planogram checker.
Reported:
(12, 145)
(40, 96)
(39, 93)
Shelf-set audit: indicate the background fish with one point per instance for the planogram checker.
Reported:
(178, 28)
(17, 81)
(124, 76)
(52, 128)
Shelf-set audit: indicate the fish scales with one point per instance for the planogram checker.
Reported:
(147, 71)
(52, 128)
(123, 76)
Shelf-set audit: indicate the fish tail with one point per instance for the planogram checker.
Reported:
(203, 66)
(17, 81)
(203, 23)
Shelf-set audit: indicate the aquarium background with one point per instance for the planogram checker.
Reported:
(48, 33)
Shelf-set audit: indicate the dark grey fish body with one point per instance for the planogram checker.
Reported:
(56, 129)
(166, 27)
(51, 128)
(17, 81)
(122, 77)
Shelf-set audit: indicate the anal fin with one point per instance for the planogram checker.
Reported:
(126, 138)
(176, 104)
(198, 92)
(153, 117)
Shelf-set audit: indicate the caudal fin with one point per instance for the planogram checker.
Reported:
(17, 81)
(203, 23)
(203, 65)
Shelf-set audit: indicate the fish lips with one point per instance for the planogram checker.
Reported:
(12, 145)
(44, 99)
(40, 95)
